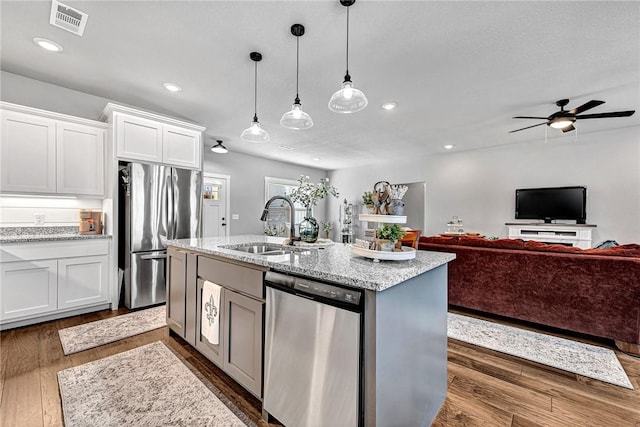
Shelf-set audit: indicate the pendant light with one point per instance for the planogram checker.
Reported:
(347, 99)
(219, 148)
(296, 119)
(254, 133)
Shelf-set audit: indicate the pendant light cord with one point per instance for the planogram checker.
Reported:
(347, 40)
(297, 66)
(255, 93)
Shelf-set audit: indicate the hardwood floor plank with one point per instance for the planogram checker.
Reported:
(21, 401)
(52, 360)
(486, 388)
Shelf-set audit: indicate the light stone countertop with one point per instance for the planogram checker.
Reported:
(334, 263)
(44, 234)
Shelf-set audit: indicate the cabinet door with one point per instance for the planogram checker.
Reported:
(211, 351)
(243, 340)
(176, 290)
(181, 147)
(80, 159)
(138, 139)
(28, 153)
(27, 288)
(82, 281)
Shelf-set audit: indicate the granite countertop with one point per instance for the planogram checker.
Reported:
(44, 234)
(333, 263)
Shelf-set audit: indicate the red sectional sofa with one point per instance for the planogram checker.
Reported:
(591, 291)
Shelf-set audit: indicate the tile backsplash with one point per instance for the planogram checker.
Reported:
(18, 211)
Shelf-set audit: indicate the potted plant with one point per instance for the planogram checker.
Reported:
(367, 201)
(391, 233)
(308, 194)
(326, 227)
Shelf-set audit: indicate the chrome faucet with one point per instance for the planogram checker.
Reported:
(265, 213)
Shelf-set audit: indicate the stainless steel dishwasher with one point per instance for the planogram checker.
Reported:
(313, 341)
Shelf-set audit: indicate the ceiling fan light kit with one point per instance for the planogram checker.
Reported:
(347, 99)
(255, 133)
(296, 118)
(564, 119)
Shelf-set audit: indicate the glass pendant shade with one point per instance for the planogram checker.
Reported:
(348, 99)
(255, 133)
(296, 119)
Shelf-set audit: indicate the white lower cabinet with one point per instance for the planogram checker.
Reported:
(52, 279)
(82, 281)
(28, 288)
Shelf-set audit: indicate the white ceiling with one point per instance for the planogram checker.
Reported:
(459, 71)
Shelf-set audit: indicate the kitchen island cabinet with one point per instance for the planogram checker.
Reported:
(403, 378)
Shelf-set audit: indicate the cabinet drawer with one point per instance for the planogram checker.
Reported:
(243, 279)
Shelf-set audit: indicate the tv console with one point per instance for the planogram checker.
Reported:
(578, 235)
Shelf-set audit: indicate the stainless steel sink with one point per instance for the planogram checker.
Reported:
(267, 249)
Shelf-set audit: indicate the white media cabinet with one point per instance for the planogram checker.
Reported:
(578, 235)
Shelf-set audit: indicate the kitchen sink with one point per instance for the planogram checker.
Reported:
(266, 249)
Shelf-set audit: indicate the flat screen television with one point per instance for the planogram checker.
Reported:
(549, 204)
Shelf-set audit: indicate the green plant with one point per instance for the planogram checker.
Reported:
(390, 232)
(366, 198)
(326, 225)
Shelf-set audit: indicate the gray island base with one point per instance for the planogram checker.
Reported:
(403, 377)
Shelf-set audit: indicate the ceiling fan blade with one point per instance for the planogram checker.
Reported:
(568, 128)
(605, 115)
(529, 117)
(586, 106)
(528, 127)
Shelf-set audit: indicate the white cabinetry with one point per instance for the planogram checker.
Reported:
(50, 153)
(149, 137)
(578, 235)
(45, 280)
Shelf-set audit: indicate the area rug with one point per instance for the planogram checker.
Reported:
(579, 358)
(146, 386)
(94, 334)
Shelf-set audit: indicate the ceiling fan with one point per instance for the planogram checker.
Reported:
(564, 119)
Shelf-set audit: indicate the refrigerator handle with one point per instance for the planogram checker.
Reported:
(169, 207)
(174, 202)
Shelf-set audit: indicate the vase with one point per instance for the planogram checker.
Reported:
(395, 207)
(309, 228)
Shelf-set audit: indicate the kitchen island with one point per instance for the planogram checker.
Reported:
(403, 335)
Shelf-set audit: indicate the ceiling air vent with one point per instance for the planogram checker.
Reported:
(68, 18)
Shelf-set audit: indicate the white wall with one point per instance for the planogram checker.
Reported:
(247, 185)
(479, 186)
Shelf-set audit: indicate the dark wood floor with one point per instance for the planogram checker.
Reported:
(486, 388)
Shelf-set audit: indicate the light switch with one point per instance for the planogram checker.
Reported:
(235, 216)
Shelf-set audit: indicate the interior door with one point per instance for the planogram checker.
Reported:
(214, 207)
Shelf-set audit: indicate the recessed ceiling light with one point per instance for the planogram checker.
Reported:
(316, 159)
(449, 146)
(172, 87)
(47, 44)
(389, 106)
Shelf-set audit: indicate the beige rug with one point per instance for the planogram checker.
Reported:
(583, 359)
(146, 386)
(94, 334)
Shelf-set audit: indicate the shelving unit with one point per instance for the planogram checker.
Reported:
(406, 253)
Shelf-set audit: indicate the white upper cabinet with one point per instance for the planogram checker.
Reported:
(138, 138)
(51, 153)
(150, 137)
(80, 159)
(181, 147)
(28, 153)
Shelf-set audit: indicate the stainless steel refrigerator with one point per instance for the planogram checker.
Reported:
(160, 203)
